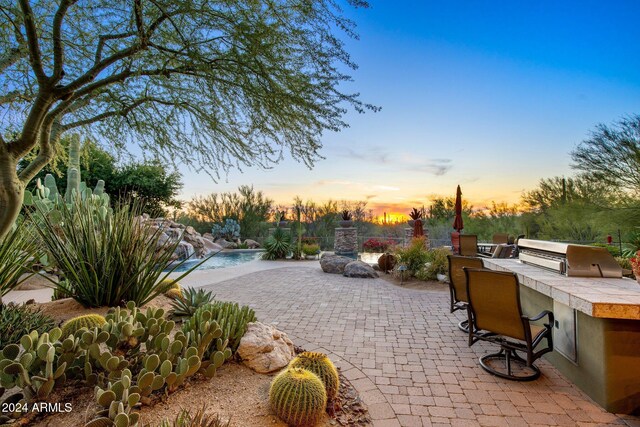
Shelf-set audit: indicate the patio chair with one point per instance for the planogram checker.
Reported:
(500, 238)
(468, 245)
(458, 283)
(495, 315)
(502, 251)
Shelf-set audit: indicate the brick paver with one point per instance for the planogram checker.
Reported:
(403, 352)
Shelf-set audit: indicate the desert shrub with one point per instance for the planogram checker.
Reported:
(377, 245)
(625, 263)
(437, 264)
(414, 257)
(17, 320)
(278, 245)
(310, 249)
(184, 307)
(613, 250)
(19, 251)
(108, 257)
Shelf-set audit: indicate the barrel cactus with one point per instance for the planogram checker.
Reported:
(173, 289)
(321, 365)
(298, 397)
(88, 321)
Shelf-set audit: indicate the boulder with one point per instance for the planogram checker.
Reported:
(211, 247)
(334, 264)
(226, 244)
(209, 236)
(191, 230)
(265, 349)
(252, 244)
(359, 269)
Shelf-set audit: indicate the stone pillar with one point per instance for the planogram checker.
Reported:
(408, 236)
(346, 242)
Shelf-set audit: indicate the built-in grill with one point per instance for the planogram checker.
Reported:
(569, 259)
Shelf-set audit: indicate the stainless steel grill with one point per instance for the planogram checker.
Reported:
(569, 259)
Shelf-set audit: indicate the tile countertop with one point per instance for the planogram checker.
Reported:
(595, 296)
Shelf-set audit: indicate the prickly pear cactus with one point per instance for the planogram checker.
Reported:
(88, 321)
(321, 365)
(298, 397)
(118, 399)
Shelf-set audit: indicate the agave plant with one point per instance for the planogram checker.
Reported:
(278, 245)
(185, 418)
(415, 214)
(19, 251)
(346, 215)
(182, 308)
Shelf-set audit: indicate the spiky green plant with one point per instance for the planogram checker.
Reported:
(298, 397)
(277, 246)
(62, 290)
(192, 299)
(18, 320)
(111, 257)
(232, 318)
(321, 365)
(19, 251)
(87, 321)
(199, 419)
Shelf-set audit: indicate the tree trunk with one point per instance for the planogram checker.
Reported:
(11, 192)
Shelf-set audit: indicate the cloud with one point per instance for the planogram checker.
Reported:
(402, 161)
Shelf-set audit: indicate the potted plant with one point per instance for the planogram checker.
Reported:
(310, 250)
(347, 219)
(415, 214)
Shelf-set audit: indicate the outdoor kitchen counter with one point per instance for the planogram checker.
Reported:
(594, 296)
(596, 331)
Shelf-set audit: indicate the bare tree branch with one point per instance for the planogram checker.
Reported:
(58, 50)
(35, 55)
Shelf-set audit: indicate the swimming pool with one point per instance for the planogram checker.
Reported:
(222, 260)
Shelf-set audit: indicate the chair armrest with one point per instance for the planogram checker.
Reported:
(541, 315)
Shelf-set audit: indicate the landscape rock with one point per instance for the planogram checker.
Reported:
(252, 244)
(359, 269)
(226, 244)
(209, 236)
(334, 264)
(265, 349)
(211, 247)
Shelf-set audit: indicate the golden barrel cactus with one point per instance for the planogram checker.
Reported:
(321, 365)
(88, 321)
(298, 397)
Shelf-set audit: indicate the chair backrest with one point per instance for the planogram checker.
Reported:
(457, 277)
(502, 251)
(500, 238)
(494, 300)
(468, 245)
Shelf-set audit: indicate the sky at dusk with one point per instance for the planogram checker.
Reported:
(489, 95)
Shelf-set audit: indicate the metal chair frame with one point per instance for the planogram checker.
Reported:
(510, 346)
(457, 303)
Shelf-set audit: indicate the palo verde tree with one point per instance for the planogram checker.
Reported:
(211, 83)
(612, 155)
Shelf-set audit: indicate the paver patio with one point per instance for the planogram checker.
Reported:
(404, 354)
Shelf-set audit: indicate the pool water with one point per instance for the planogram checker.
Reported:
(222, 260)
